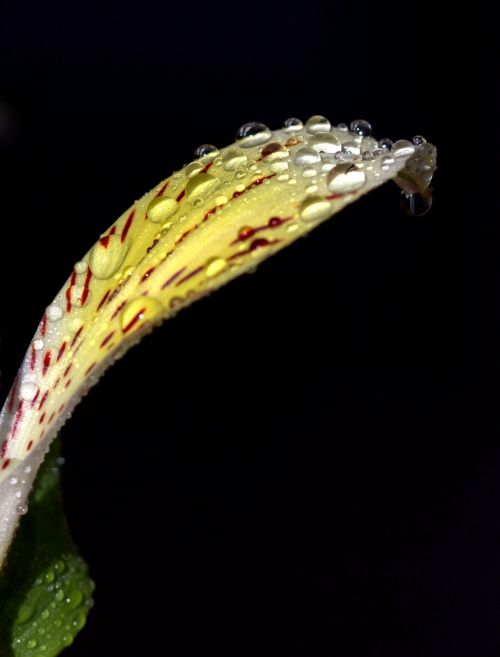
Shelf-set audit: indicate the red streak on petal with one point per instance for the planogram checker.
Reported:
(61, 408)
(67, 370)
(43, 400)
(330, 197)
(90, 368)
(6, 464)
(43, 325)
(42, 418)
(30, 445)
(68, 299)
(162, 189)
(118, 309)
(206, 167)
(126, 228)
(147, 274)
(181, 196)
(104, 241)
(32, 358)
(86, 285)
(106, 339)
(68, 383)
(46, 362)
(17, 417)
(61, 351)
(57, 382)
(76, 336)
(72, 280)
(103, 300)
(33, 401)
(188, 276)
(52, 416)
(172, 278)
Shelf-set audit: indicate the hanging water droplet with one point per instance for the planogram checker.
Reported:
(161, 208)
(215, 266)
(54, 312)
(418, 140)
(416, 204)
(293, 125)
(201, 186)
(139, 311)
(206, 152)
(306, 157)
(233, 158)
(317, 123)
(81, 267)
(107, 255)
(325, 142)
(28, 391)
(351, 148)
(314, 208)
(193, 168)
(253, 134)
(402, 148)
(345, 178)
(385, 144)
(361, 127)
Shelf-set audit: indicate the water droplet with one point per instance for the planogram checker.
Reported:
(45, 614)
(306, 157)
(386, 162)
(325, 142)
(32, 643)
(361, 127)
(274, 151)
(367, 155)
(385, 143)
(314, 208)
(161, 208)
(59, 595)
(416, 204)
(74, 599)
(107, 256)
(402, 148)
(233, 159)
(206, 152)
(139, 311)
(193, 168)
(345, 178)
(13, 481)
(253, 134)
(293, 125)
(25, 612)
(38, 345)
(317, 123)
(22, 509)
(351, 148)
(49, 577)
(27, 469)
(418, 140)
(81, 267)
(309, 173)
(279, 166)
(54, 312)
(215, 266)
(28, 390)
(201, 186)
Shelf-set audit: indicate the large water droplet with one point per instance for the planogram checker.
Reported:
(206, 152)
(306, 156)
(416, 204)
(38, 344)
(107, 256)
(233, 159)
(200, 187)
(385, 143)
(54, 312)
(317, 123)
(215, 266)
(325, 142)
(293, 125)
(361, 127)
(28, 391)
(274, 151)
(402, 148)
(139, 311)
(81, 267)
(161, 208)
(351, 148)
(253, 134)
(345, 178)
(193, 168)
(314, 208)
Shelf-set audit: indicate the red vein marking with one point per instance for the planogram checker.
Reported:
(57, 382)
(76, 336)
(32, 358)
(46, 362)
(6, 462)
(172, 278)
(118, 309)
(68, 299)
(206, 167)
(61, 351)
(126, 228)
(68, 383)
(43, 325)
(90, 368)
(185, 278)
(147, 274)
(3, 448)
(103, 300)
(67, 370)
(330, 197)
(33, 401)
(162, 189)
(86, 286)
(76, 350)
(134, 320)
(42, 418)
(104, 241)
(52, 416)
(256, 244)
(249, 231)
(106, 339)
(61, 408)
(17, 417)
(181, 196)
(43, 400)
(30, 445)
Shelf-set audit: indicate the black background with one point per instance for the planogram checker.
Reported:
(314, 470)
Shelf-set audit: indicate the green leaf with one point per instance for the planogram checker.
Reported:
(45, 590)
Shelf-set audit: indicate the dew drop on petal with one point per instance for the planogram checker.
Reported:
(139, 311)
(351, 148)
(361, 128)
(161, 208)
(200, 187)
(54, 312)
(293, 125)
(345, 178)
(233, 159)
(418, 140)
(215, 266)
(107, 255)
(325, 142)
(317, 123)
(253, 134)
(306, 157)
(38, 344)
(274, 151)
(206, 152)
(385, 143)
(314, 208)
(28, 391)
(403, 148)
(81, 267)
(193, 168)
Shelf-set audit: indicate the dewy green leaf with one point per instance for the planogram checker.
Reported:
(218, 217)
(45, 591)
